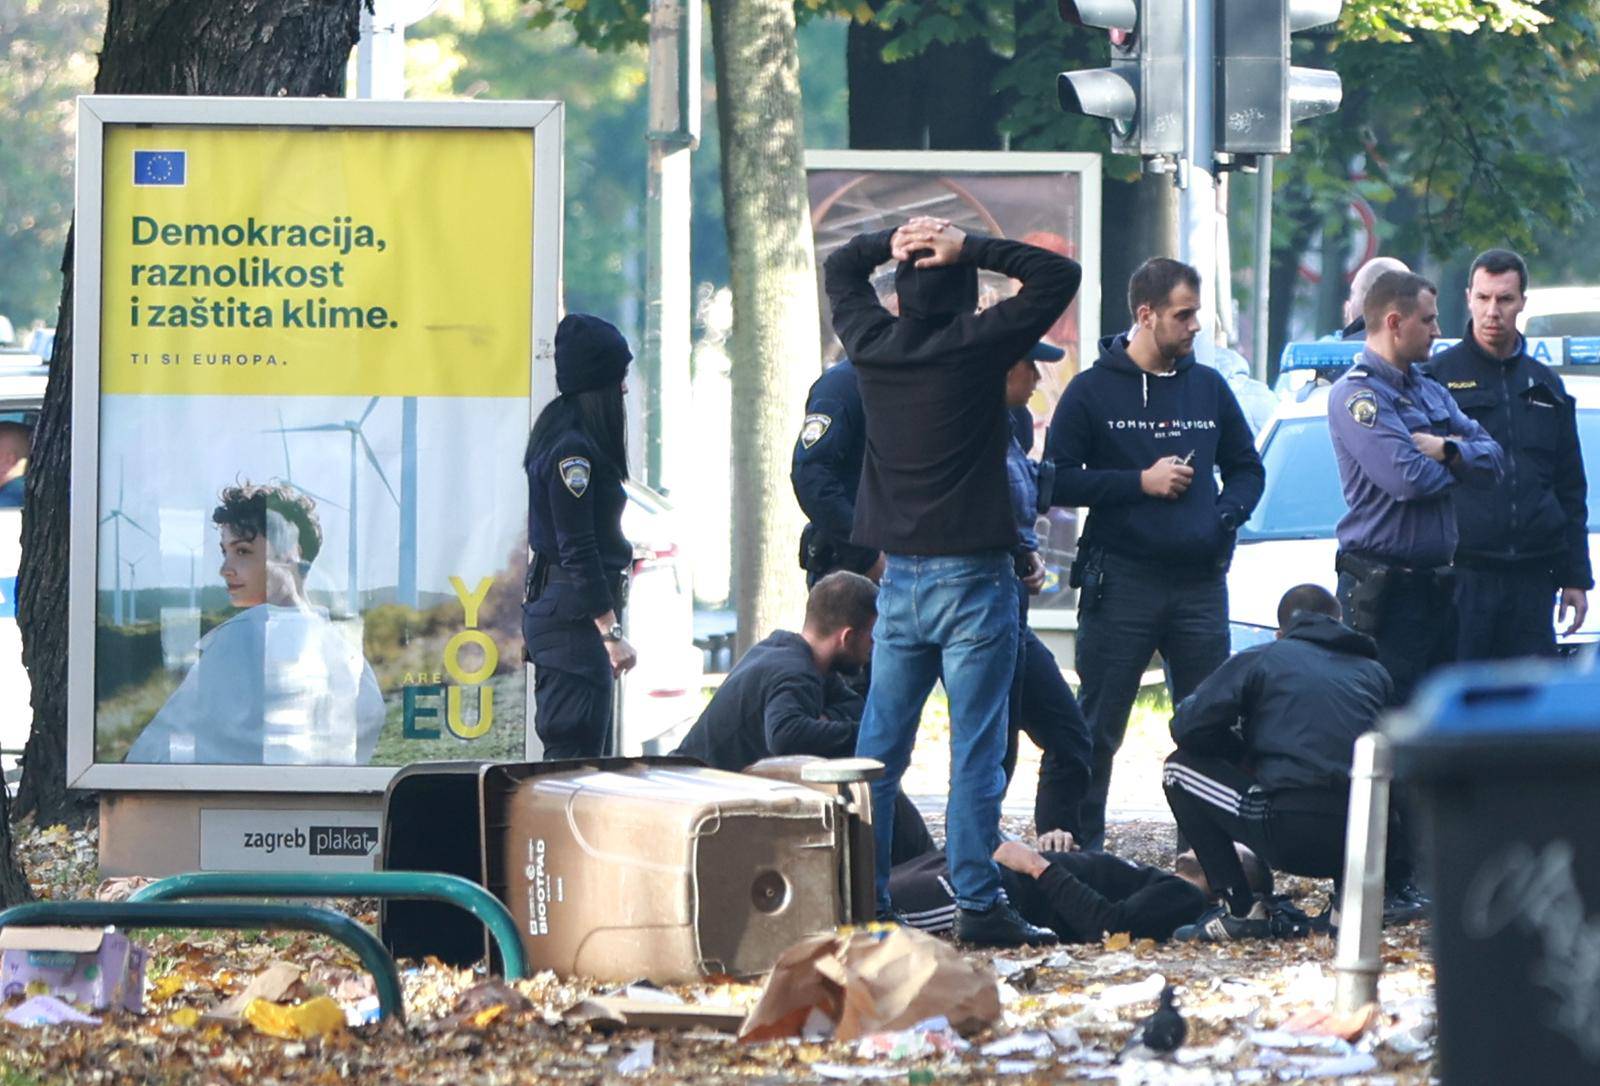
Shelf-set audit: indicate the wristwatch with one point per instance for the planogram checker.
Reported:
(1452, 452)
(613, 634)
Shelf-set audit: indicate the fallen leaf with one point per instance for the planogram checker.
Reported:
(164, 988)
(1119, 941)
(484, 1017)
(184, 1018)
(319, 1017)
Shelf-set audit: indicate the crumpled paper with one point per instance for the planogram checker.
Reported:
(871, 980)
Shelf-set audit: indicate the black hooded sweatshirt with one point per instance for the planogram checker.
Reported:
(933, 383)
(1115, 420)
(1292, 709)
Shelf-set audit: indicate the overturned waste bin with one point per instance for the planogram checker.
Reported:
(1503, 768)
(622, 868)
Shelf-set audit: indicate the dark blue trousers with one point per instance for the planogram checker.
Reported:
(1143, 608)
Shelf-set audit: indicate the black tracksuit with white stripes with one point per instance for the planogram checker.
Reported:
(1264, 752)
(1081, 896)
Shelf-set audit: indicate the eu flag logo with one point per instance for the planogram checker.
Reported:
(160, 167)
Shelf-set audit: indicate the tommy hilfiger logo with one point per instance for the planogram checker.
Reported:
(1161, 424)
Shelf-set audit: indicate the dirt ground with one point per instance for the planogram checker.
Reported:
(1066, 1012)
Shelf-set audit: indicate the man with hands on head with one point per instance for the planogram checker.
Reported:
(934, 499)
(1139, 439)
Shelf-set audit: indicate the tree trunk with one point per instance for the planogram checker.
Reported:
(939, 99)
(250, 48)
(1138, 220)
(775, 350)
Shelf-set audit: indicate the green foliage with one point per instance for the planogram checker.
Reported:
(1449, 103)
(1458, 122)
(1393, 20)
(485, 49)
(47, 55)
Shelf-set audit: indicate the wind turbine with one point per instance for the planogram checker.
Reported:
(288, 468)
(133, 587)
(116, 517)
(357, 438)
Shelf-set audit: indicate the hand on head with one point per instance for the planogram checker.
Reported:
(937, 240)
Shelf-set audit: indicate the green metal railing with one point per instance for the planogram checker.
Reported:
(196, 914)
(412, 885)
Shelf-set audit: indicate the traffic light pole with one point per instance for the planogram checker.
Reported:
(1196, 179)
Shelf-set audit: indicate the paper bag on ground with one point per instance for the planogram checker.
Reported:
(869, 979)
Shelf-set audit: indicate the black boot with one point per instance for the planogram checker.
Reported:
(1000, 926)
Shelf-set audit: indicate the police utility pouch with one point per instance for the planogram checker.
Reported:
(1087, 575)
(1369, 583)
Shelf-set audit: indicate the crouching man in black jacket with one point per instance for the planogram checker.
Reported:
(788, 695)
(1263, 758)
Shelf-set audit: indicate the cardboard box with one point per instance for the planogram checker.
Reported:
(96, 969)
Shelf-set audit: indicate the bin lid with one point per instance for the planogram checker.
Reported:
(1517, 698)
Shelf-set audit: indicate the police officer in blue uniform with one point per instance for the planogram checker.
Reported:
(1527, 539)
(576, 588)
(1403, 446)
(826, 471)
(1042, 703)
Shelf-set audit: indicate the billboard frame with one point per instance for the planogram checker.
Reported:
(544, 122)
(1086, 165)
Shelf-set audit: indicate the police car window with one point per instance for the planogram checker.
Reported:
(1564, 324)
(1302, 499)
(1589, 442)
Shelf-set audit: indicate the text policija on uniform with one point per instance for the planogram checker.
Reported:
(341, 236)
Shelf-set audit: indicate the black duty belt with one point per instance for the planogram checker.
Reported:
(542, 573)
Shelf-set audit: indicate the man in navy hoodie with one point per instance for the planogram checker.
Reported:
(1139, 439)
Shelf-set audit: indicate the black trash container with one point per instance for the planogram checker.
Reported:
(1502, 765)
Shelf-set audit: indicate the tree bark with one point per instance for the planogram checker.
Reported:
(1138, 220)
(775, 350)
(939, 99)
(249, 48)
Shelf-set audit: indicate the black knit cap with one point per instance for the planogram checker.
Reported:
(590, 353)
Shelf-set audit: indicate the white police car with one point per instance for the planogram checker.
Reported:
(1289, 539)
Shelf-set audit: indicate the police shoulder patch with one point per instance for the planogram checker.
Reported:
(1363, 407)
(575, 474)
(813, 429)
(1461, 384)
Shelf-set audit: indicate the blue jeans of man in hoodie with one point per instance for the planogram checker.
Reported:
(949, 617)
(1143, 608)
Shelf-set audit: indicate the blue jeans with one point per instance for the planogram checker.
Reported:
(951, 617)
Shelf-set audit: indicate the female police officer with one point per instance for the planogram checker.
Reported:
(576, 460)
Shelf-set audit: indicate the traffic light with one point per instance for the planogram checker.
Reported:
(1259, 94)
(1141, 94)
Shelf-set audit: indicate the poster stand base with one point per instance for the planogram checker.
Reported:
(155, 834)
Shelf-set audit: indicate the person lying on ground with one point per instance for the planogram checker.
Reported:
(1081, 896)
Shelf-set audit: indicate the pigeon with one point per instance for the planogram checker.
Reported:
(1161, 1034)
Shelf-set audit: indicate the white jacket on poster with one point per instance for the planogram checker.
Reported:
(272, 686)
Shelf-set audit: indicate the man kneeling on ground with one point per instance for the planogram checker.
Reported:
(787, 695)
(1264, 751)
(1081, 896)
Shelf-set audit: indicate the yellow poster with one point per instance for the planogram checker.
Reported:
(316, 347)
(350, 262)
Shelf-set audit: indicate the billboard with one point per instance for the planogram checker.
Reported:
(308, 334)
(1046, 199)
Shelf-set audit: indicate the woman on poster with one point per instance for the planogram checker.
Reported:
(576, 460)
(277, 683)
